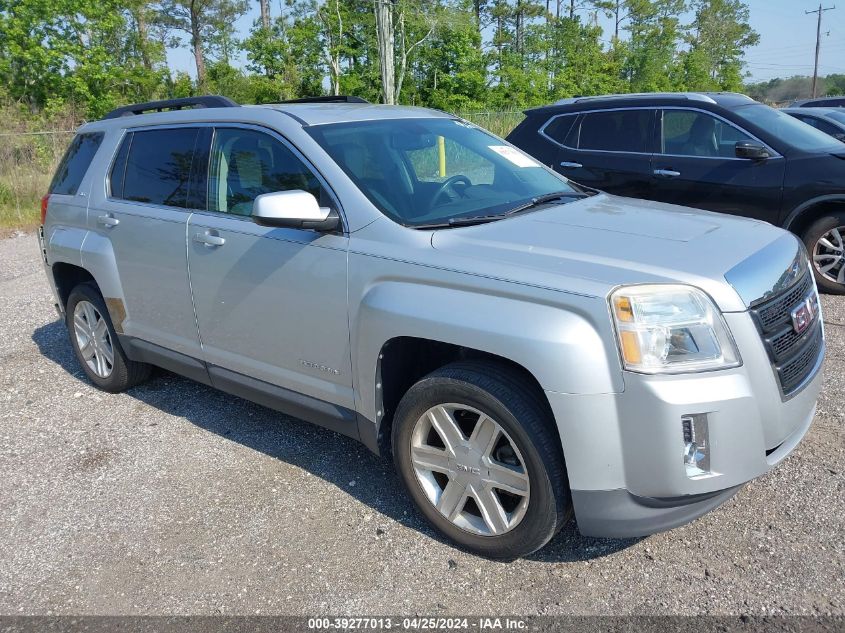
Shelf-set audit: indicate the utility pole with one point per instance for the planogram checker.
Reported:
(818, 43)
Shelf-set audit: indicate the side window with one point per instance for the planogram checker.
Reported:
(616, 131)
(827, 128)
(692, 133)
(246, 163)
(75, 163)
(157, 167)
(558, 129)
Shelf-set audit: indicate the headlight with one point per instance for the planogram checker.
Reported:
(668, 329)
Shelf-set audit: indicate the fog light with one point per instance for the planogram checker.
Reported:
(696, 445)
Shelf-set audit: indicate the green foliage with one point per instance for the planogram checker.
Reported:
(469, 55)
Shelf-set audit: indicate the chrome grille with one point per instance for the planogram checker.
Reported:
(794, 355)
(772, 313)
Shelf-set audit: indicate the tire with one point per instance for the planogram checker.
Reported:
(108, 368)
(831, 281)
(497, 394)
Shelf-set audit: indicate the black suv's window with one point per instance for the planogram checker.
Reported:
(616, 130)
(820, 124)
(75, 163)
(246, 164)
(558, 129)
(693, 133)
(154, 166)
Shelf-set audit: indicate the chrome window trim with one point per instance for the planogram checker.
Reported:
(542, 132)
(228, 125)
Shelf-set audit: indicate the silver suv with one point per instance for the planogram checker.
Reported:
(522, 347)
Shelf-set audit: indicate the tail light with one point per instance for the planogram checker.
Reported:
(44, 202)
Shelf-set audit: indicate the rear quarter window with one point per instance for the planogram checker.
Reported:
(561, 130)
(75, 163)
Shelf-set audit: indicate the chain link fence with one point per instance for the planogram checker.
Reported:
(500, 123)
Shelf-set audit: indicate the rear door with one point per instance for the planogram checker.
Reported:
(607, 149)
(270, 302)
(696, 166)
(144, 216)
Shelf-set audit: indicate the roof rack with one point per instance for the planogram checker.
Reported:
(206, 101)
(691, 96)
(327, 99)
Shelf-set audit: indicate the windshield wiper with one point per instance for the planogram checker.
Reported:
(484, 219)
(544, 199)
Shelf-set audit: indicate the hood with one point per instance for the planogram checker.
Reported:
(598, 243)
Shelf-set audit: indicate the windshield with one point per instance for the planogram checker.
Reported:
(836, 116)
(786, 128)
(432, 171)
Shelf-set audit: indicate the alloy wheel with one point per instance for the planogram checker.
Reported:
(470, 469)
(829, 255)
(93, 339)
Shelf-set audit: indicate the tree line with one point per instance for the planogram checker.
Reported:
(448, 54)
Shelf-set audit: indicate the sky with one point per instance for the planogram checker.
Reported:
(786, 48)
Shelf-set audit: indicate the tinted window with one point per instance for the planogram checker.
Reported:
(824, 126)
(559, 127)
(75, 163)
(118, 170)
(245, 164)
(158, 167)
(690, 133)
(837, 116)
(616, 131)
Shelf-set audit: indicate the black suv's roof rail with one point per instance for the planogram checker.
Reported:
(327, 99)
(205, 101)
(689, 96)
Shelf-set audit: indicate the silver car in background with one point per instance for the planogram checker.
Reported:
(523, 348)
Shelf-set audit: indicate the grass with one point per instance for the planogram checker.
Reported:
(28, 160)
(27, 163)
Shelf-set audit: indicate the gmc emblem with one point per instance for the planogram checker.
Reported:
(805, 313)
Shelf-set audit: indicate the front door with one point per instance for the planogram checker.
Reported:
(270, 302)
(697, 166)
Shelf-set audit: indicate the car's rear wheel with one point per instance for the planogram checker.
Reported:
(825, 242)
(95, 342)
(478, 453)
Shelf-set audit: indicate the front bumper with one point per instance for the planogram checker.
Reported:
(624, 451)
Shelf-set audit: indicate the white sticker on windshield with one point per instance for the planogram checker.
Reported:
(516, 157)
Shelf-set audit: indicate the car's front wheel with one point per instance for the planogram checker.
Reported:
(825, 242)
(478, 453)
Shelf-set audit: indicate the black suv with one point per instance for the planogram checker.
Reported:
(717, 151)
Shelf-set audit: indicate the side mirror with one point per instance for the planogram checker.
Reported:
(295, 209)
(751, 150)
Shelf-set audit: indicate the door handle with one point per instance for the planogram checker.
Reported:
(568, 165)
(667, 173)
(108, 221)
(208, 239)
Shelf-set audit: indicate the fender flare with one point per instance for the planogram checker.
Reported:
(564, 347)
(804, 206)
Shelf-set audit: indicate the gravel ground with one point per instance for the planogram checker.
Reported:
(175, 498)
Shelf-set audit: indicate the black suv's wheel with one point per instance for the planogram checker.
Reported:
(95, 343)
(825, 242)
(478, 453)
